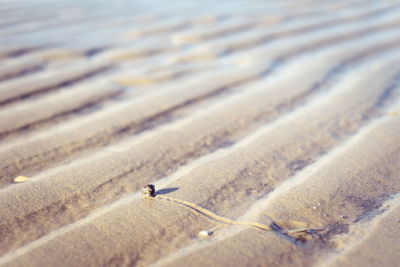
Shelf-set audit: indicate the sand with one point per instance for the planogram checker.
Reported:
(283, 114)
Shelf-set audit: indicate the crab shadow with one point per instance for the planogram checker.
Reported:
(166, 190)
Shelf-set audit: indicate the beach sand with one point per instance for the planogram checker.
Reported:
(284, 114)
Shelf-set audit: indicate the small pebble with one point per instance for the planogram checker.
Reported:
(205, 234)
(21, 179)
(149, 190)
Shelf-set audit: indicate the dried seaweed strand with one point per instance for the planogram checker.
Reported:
(148, 191)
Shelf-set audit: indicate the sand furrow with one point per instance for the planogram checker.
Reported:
(108, 115)
(158, 47)
(73, 100)
(284, 29)
(164, 45)
(279, 113)
(54, 54)
(318, 38)
(283, 33)
(14, 51)
(201, 187)
(178, 143)
(30, 85)
(201, 35)
(234, 194)
(159, 76)
(160, 27)
(319, 196)
(127, 118)
(216, 139)
(11, 69)
(144, 50)
(253, 146)
(195, 54)
(40, 23)
(368, 240)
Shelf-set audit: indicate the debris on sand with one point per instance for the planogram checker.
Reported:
(205, 234)
(21, 179)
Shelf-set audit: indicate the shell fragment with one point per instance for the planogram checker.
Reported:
(205, 234)
(21, 179)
